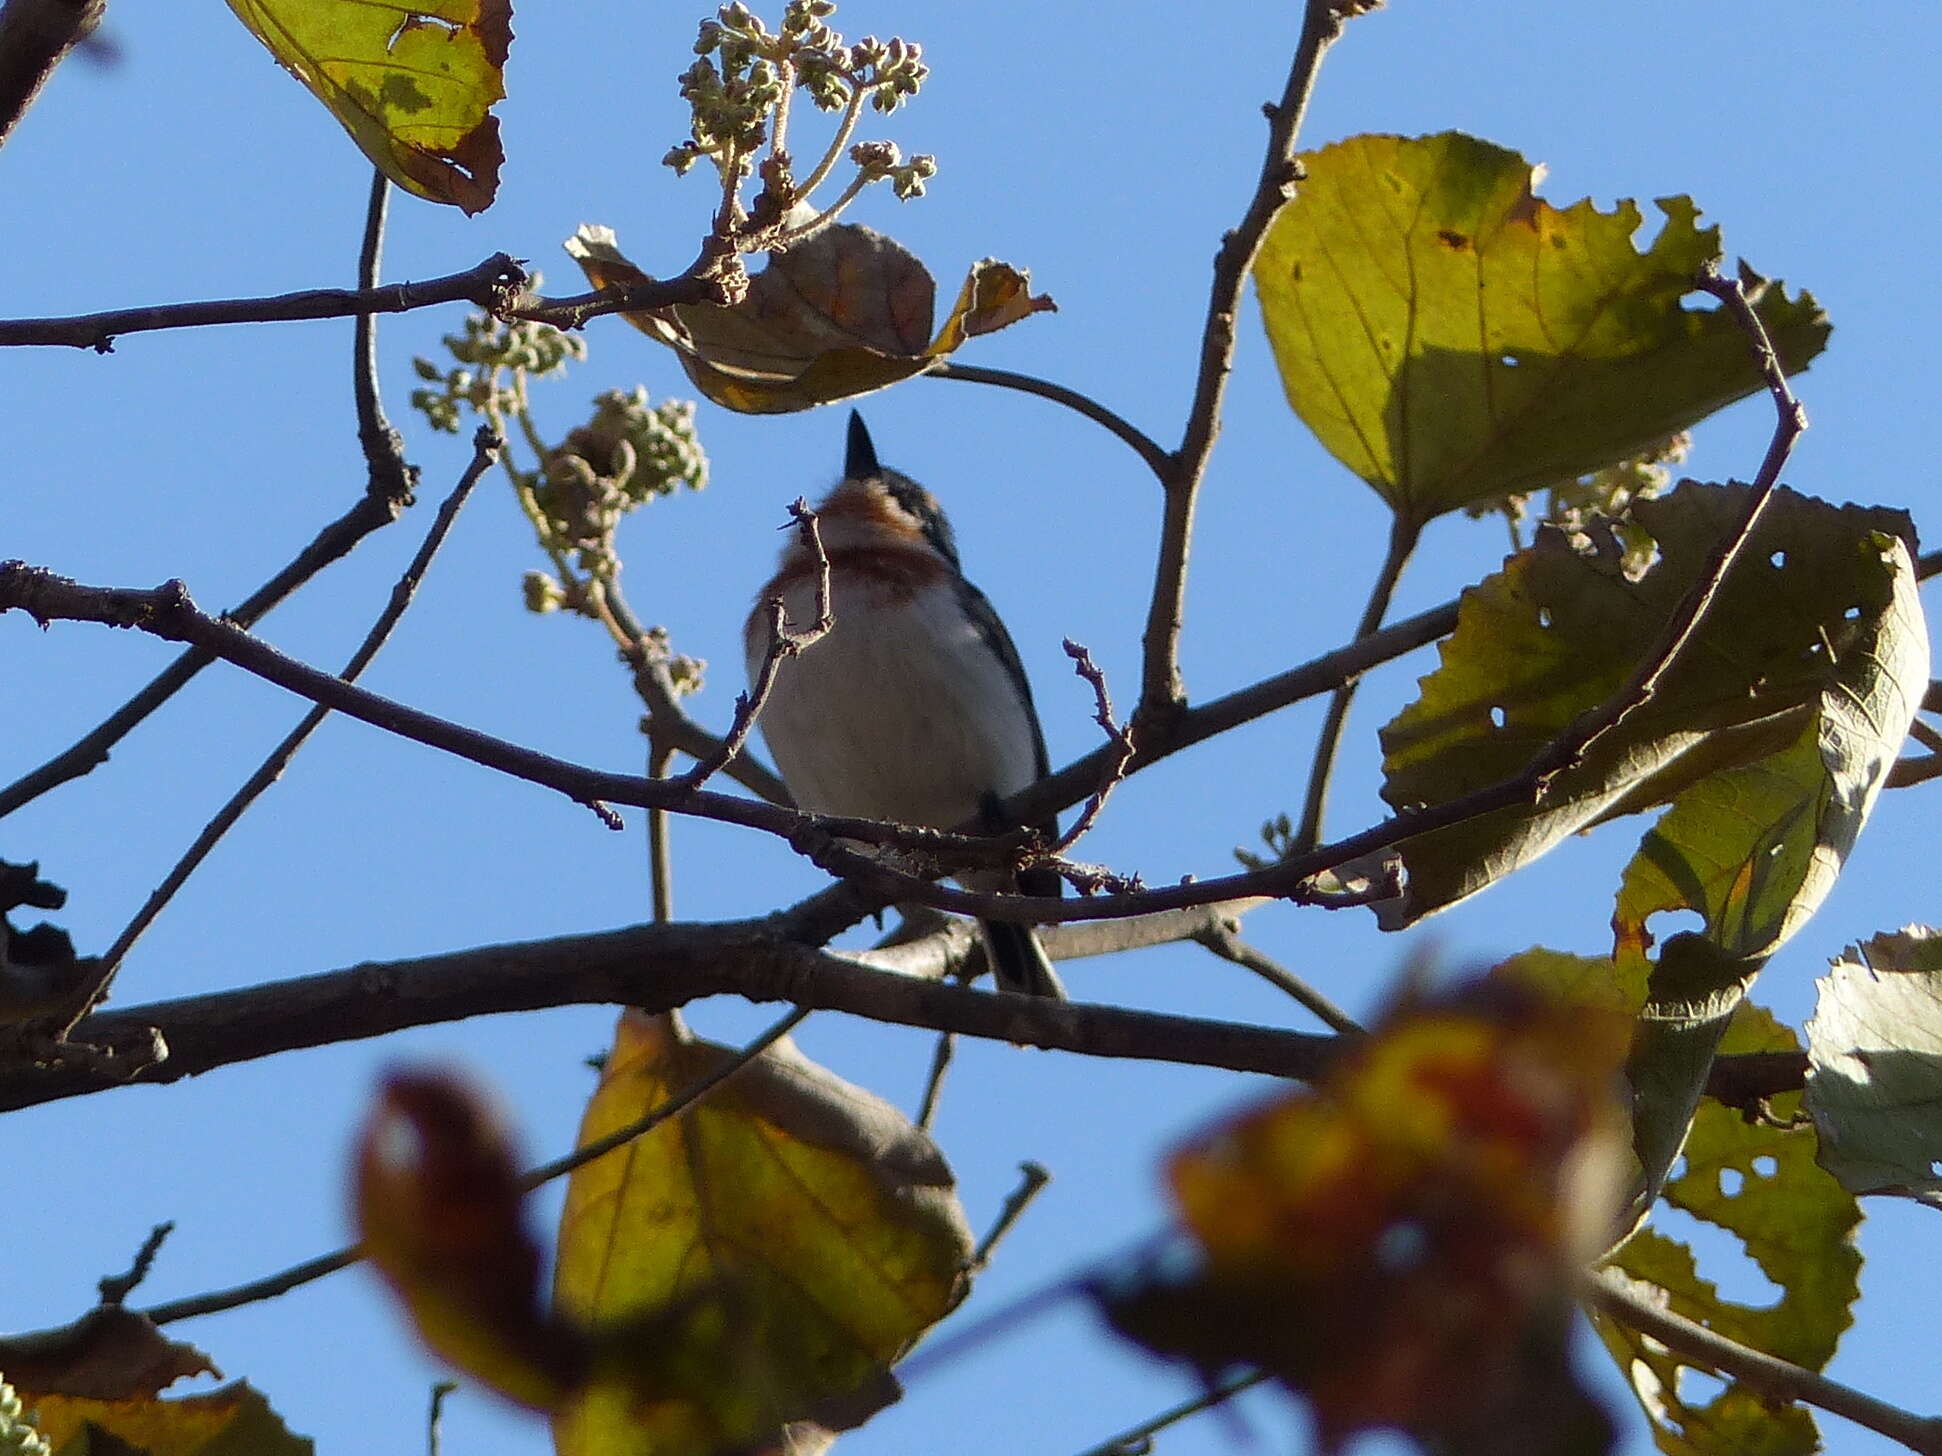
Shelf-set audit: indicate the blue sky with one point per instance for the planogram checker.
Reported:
(1106, 156)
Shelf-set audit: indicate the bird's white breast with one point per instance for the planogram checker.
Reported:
(901, 712)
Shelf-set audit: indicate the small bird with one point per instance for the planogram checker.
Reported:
(914, 708)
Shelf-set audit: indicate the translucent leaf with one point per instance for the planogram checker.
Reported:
(413, 85)
(233, 1421)
(1399, 1245)
(846, 313)
(1875, 1081)
(1770, 736)
(440, 1214)
(1452, 339)
(1760, 1183)
(772, 1251)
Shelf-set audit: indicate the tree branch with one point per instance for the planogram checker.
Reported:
(1162, 694)
(490, 285)
(485, 448)
(1775, 1380)
(656, 968)
(384, 448)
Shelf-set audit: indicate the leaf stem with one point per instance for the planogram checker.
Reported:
(1404, 532)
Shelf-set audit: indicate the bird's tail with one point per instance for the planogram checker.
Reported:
(1019, 962)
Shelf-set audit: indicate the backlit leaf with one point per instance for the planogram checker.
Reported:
(1452, 338)
(1399, 1245)
(1770, 736)
(848, 312)
(440, 1213)
(769, 1253)
(414, 85)
(1875, 1081)
(233, 1421)
(1759, 1182)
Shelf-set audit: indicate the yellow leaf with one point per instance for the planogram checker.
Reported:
(233, 1421)
(1452, 338)
(759, 1260)
(413, 85)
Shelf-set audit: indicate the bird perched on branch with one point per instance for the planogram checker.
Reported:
(914, 707)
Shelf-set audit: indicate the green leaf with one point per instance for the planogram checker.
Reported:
(414, 86)
(761, 1259)
(233, 1421)
(1760, 1183)
(1453, 339)
(1874, 1083)
(844, 314)
(1770, 736)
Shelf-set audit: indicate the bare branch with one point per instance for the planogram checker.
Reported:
(485, 449)
(1774, 1380)
(384, 448)
(490, 285)
(656, 968)
(1404, 532)
(785, 642)
(1118, 739)
(1162, 695)
(117, 1287)
(1221, 939)
(1031, 1183)
(1135, 1440)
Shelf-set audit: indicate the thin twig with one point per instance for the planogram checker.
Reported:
(384, 448)
(116, 1288)
(1909, 772)
(485, 448)
(331, 544)
(1928, 737)
(1120, 740)
(660, 848)
(297, 1275)
(490, 285)
(1220, 938)
(785, 642)
(35, 35)
(1031, 1182)
(435, 1417)
(1162, 694)
(1135, 1440)
(1772, 1379)
(1693, 609)
(679, 1103)
(934, 1083)
(1137, 439)
(1404, 532)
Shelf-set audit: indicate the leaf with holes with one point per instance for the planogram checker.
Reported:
(1770, 736)
(1875, 1074)
(848, 312)
(413, 85)
(1453, 339)
(1760, 1183)
(768, 1254)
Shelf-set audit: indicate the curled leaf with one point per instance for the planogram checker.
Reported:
(1770, 736)
(226, 1422)
(414, 85)
(1452, 338)
(845, 313)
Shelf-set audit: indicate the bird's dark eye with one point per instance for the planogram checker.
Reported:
(925, 510)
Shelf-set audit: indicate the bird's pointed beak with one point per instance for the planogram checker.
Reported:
(860, 459)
